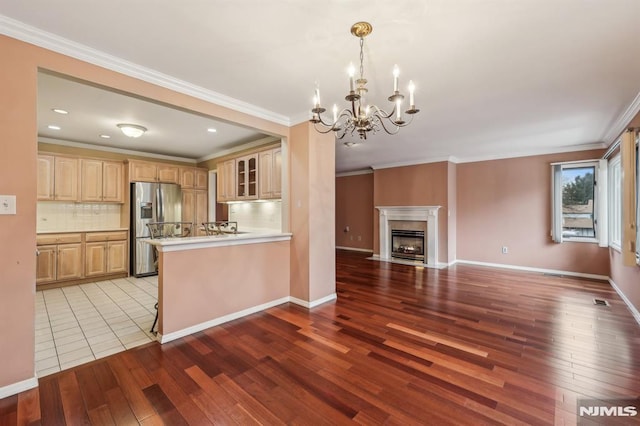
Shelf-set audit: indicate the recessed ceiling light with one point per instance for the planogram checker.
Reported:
(211, 130)
(60, 111)
(105, 136)
(52, 127)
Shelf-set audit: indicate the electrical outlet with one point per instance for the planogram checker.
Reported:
(505, 249)
(346, 228)
(7, 204)
(359, 237)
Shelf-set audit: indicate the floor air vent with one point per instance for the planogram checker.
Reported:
(600, 302)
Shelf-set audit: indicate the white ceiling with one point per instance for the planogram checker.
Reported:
(494, 77)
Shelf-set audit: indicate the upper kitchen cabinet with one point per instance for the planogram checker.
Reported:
(193, 178)
(57, 178)
(270, 178)
(46, 164)
(247, 177)
(101, 181)
(226, 181)
(144, 171)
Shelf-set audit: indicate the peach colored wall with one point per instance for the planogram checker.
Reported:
(354, 208)
(18, 85)
(200, 285)
(419, 185)
(312, 205)
(18, 148)
(508, 203)
(627, 278)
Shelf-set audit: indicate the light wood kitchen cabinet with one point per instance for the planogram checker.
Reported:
(270, 178)
(195, 209)
(69, 262)
(201, 179)
(226, 181)
(46, 165)
(247, 177)
(46, 264)
(113, 182)
(194, 178)
(101, 181)
(59, 257)
(105, 257)
(168, 174)
(69, 257)
(66, 179)
(144, 171)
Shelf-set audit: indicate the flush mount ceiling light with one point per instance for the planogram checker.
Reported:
(132, 130)
(60, 111)
(53, 127)
(211, 130)
(361, 117)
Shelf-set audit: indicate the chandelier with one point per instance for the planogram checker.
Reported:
(360, 117)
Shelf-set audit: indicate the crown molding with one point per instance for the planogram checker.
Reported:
(450, 159)
(475, 159)
(63, 142)
(355, 173)
(21, 31)
(248, 145)
(622, 121)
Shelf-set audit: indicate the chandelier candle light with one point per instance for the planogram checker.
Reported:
(360, 117)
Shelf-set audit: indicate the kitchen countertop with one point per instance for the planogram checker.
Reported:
(192, 243)
(74, 231)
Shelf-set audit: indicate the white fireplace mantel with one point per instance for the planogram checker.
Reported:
(427, 214)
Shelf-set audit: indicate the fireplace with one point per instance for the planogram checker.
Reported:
(407, 244)
(414, 218)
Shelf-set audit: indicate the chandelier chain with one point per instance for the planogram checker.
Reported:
(361, 58)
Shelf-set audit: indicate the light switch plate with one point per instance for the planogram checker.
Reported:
(7, 204)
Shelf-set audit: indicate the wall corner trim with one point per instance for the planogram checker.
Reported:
(625, 299)
(18, 387)
(313, 303)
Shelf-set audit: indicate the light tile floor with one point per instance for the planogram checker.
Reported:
(80, 323)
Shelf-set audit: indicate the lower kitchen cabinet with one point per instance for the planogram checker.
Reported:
(46, 264)
(103, 258)
(105, 253)
(71, 257)
(69, 262)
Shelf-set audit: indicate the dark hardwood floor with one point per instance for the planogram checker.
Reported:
(402, 345)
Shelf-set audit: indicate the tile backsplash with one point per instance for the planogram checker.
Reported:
(65, 216)
(257, 215)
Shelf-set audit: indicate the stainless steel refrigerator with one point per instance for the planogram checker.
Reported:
(150, 202)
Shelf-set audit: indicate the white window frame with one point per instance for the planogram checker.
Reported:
(600, 209)
(615, 203)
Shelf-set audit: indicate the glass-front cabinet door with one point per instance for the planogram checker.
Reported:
(247, 177)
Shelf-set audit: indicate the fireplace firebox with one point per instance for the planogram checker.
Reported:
(406, 244)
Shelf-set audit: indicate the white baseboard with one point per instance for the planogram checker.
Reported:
(354, 249)
(529, 269)
(16, 388)
(634, 311)
(164, 338)
(313, 303)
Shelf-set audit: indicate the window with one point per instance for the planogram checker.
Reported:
(575, 202)
(615, 202)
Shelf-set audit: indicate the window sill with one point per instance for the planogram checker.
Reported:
(579, 240)
(616, 247)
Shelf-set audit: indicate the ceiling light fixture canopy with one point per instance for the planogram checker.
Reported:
(132, 130)
(361, 117)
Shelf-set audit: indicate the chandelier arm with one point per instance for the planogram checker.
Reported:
(321, 130)
(406, 123)
(391, 132)
(382, 113)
